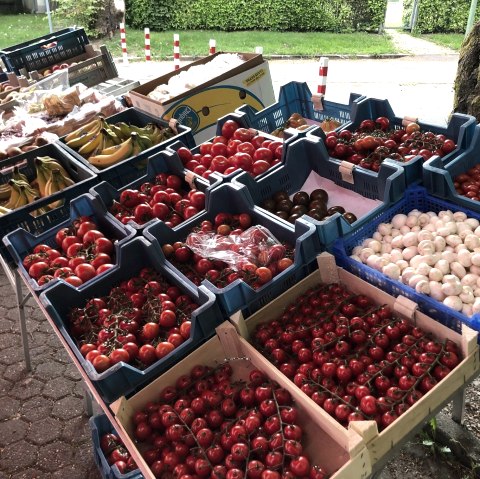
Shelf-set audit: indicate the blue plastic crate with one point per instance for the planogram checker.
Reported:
(122, 378)
(460, 129)
(416, 197)
(162, 162)
(100, 425)
(22, 217)
(32, 55)
(296, 97)
(241, 118)
(134, 167)
(309, 155)
(20, 243)
(438, 176)
(239, 295)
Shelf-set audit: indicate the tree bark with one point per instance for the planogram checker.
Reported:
(467, 82)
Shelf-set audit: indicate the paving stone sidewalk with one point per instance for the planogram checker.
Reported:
(44, 433)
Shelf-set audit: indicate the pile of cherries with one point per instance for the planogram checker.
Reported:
(139, 322)
(268, 262)
(375, 140)
(314, 205)
(163, 198)
(82, 253)
(468, 183)
(116, 453)
(354, 358)
(236, 148)
(210, 425)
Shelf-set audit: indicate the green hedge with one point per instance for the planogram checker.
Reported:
(439, 16)
(275, 15)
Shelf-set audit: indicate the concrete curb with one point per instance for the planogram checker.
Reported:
(385, 56)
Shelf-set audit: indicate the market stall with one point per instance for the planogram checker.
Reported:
(234, 276)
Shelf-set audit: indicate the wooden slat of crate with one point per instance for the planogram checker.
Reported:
(378, 444)
(321, 448)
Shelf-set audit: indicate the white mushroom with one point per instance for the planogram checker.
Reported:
(392, 271)
(453, 302)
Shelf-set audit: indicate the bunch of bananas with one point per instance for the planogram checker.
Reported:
(105, 144)
(18, 191)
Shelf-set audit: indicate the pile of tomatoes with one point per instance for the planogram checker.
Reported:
(375, 140)
(210, 425)
(116, 453)
(353, 358)
(468, 183)
(236, 148)
(139, 322)
(162, 198)
(256, 272)
(82, 253)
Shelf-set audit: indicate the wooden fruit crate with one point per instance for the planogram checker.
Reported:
(92, 67)
(378, 444)
(343, 459)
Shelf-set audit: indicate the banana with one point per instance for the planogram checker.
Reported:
(56, 183)
(5, 191)
(14, 195)
(82, 130)
(84, 138)
(137, 147)
(88, 148)
(42, 176)
(145, 142)
(122, 151)
(118, 132)
(4, 210)
(17, 175)
(125, 129)
(50, 164)
(31, 194)
(20, 197)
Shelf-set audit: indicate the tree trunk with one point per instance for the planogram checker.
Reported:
(467, 82)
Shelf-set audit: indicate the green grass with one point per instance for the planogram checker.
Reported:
(19, 28)
(273, 43)
(449, 40)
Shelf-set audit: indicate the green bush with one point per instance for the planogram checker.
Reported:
(275, 15)
(438, 16)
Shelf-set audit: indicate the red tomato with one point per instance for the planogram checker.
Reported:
(229, 128)
(85, 271)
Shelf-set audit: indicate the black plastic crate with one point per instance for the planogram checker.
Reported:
(34, 54)
(22, 217)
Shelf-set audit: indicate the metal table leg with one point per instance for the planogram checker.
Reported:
(458, 406)
(16, 282)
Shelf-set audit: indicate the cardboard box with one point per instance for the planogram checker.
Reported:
(201, 107)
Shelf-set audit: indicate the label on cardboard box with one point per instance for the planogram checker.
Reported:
(201, 110)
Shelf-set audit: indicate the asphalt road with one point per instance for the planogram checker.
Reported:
(419, 86)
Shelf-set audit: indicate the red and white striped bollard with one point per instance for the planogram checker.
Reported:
(176, 51)
(322, 73)
(212, 46)
(148, 56)
(123, 38)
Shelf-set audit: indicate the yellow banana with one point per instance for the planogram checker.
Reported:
(82, 130)
(21, 198)
(83, 139)
(51, 164)
(42, 176)
(88, 148)
(31, 194)
(5, 191)
(14, 194)
(4, 210)
(122, 151)
(54, 184)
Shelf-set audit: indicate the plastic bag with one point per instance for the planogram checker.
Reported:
(256, 245)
